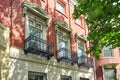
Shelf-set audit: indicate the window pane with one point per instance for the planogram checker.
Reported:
(65, 78)
(80, 52)
(60, 7)
(84, 79)
(39, 26)
(31, 22)
(36, 33)
(78, 21)
(81, 45)
(62, 44)
(36, 76)
(35, 28)
(109, 74)
(107, 51)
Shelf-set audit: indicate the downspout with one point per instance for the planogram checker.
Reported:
(94, 61)
(69, 13)
(53, 20)
(47, 6)
(69, 23)
(10, 20)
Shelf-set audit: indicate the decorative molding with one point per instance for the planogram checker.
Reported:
(63, 26)
(81, 37)
(35, 9)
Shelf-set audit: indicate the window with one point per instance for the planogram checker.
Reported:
(65, 77)
(109, 74)
(60, 7)
(36, 20)
(78, 21)
(35, 28)
(62, 40)
(84, 79)
(81, 48)
(63, 34)
(107, 51)
(81, 40)
(81, 54)
(36, 76)
(63, 44)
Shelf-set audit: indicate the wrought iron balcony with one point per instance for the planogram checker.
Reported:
(85, 61)
(65, 55)
(38, 46)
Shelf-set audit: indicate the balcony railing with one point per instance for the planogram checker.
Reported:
(85, 61)
(107, 53)
(65, 55)
(38, 46)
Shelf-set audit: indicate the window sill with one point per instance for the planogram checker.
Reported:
(79, 25)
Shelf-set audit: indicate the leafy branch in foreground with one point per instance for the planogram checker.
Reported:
(103, 18)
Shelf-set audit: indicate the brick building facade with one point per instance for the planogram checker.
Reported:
(45, 42)
(41, 41)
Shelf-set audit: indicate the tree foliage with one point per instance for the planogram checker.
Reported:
(103, 20)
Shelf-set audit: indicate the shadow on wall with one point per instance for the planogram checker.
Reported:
(19, 70)
(4, 52)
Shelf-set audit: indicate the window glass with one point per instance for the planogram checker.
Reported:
(84, 79)
(60, 6)
(35, 28)
(62, 41)
(109, 74)
(80, 49)
(80, 52)
(66, 77)
(78, 21)
(62, 44)
(36, 76)
(107, 51)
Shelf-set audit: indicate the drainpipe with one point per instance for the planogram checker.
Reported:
(10, 3)
(69, 13)
(69, 21)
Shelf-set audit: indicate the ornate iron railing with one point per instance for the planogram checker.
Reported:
(63, 54)
(85, 61)
(38, 46)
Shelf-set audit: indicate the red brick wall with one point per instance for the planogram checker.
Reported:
(11, 16)
(99, 73)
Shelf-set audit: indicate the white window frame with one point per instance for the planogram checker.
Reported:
(79, 46)
(29, 16)
(58, 39)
